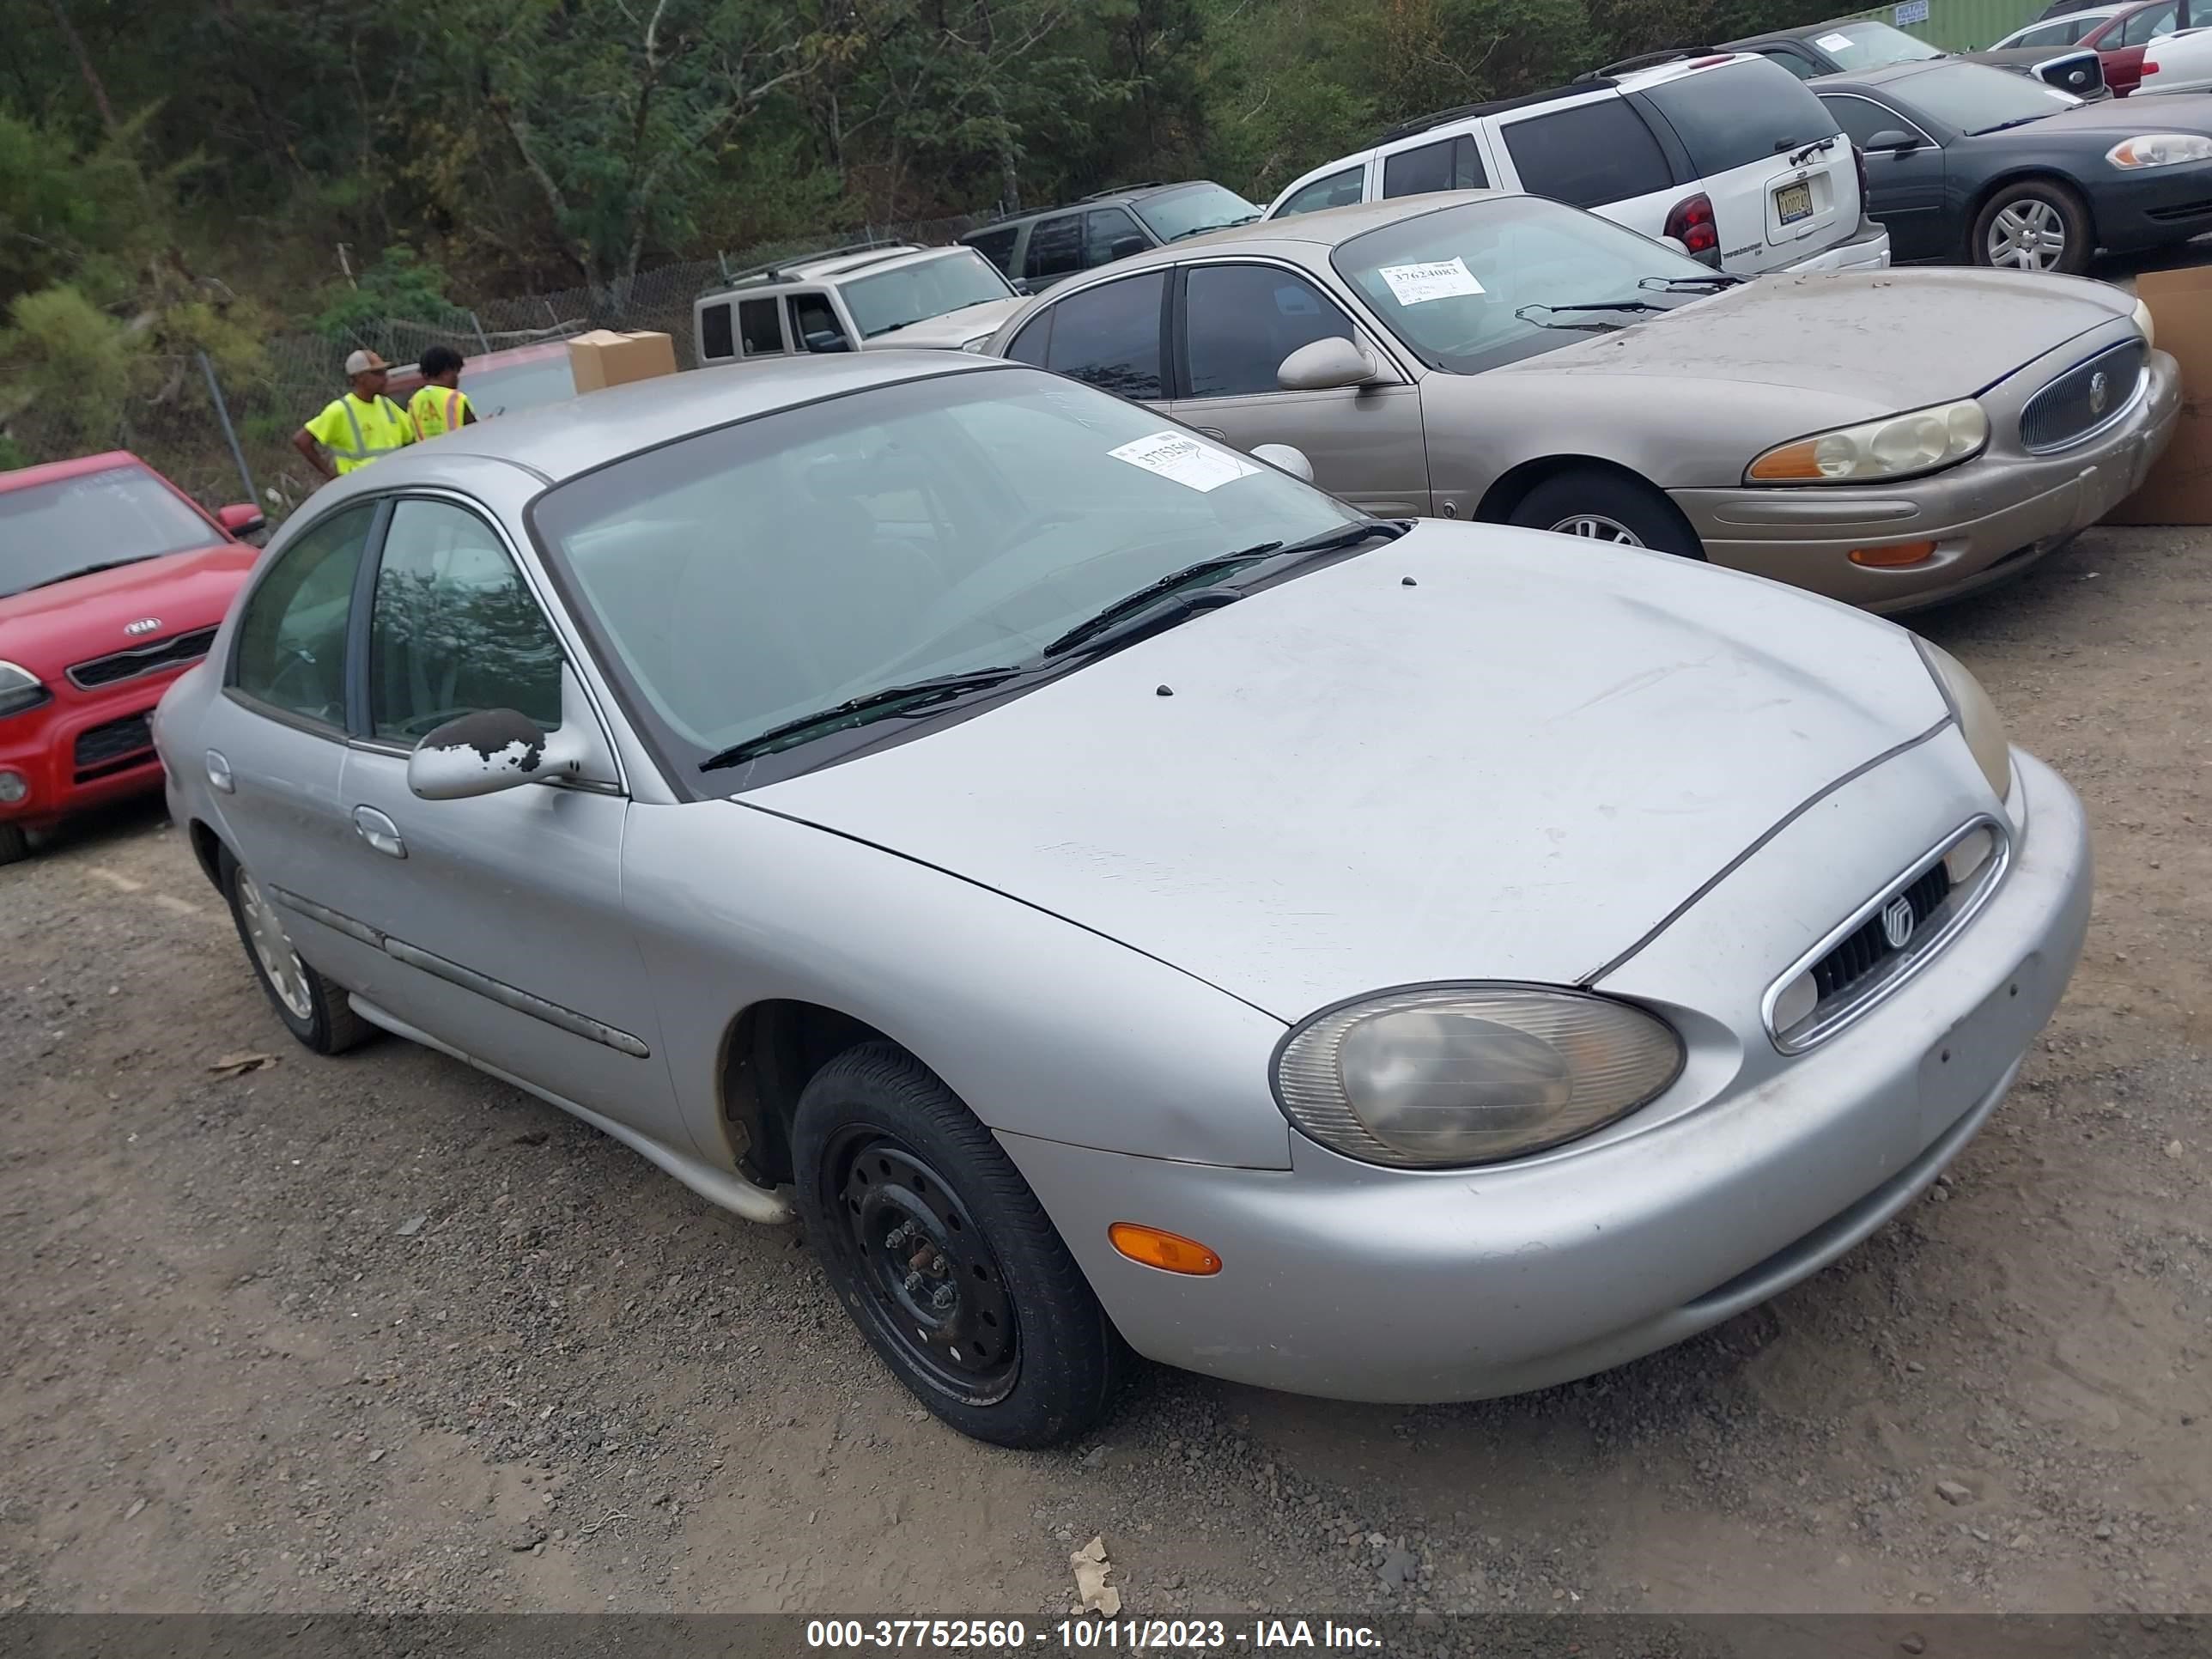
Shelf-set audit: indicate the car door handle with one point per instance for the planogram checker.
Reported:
(378, 831)
(219, 774)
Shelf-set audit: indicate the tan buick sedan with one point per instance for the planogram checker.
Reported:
(1888, 438)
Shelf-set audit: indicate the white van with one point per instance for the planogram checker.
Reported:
(1729, 155)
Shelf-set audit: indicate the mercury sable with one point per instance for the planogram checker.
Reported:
(1118, 898)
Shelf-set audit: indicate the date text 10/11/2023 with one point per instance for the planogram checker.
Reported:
(1202, 1636)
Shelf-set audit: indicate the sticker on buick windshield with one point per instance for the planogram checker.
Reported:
(1436, 279)
(1834, 42)
(1182, 458)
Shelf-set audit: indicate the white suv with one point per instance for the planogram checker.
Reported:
(1729, 155)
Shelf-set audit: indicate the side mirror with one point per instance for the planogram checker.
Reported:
(828, 339)
(1126, 246)
(241, 519)
(499, 749)
(1285, 458)
(1020, 285)
(1325, 365)
(1892, 139)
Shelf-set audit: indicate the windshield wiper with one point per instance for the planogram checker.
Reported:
(891, 698)
(1710, 279)
(1091, 628)
(90, 570)
(1799, 157)
(1594, 305)
(2007, 126)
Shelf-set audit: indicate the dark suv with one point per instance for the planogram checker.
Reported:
(1036, 250)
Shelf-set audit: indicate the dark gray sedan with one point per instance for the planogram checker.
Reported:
(1966, 160)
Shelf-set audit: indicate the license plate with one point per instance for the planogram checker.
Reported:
(1793, 202)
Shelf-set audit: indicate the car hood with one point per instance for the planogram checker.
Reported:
(1514, 765)
(48, 628)
(1888, 340)
(2123, 117)
(955, 328)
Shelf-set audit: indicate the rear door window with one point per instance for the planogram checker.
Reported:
(1450, 164)
(996, 246)
(1588, 156)
(2145, 26)
(760, 327)
(1056, 246)
(1110, 335)
(1338, 189)
(1739, 113)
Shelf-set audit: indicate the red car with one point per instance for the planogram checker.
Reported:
(113, 581)
(2116, 34)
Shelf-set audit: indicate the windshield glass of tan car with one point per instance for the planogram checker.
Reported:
(893, 298)
(1867, 46)
(1976, 98)
(118, 515)
(762, 572)
(1176, 214)
(1466, 287)
(508, 389)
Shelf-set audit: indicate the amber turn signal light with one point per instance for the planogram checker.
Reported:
(1170, 1252)
(1893, 555)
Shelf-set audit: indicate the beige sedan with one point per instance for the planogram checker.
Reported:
(1889, 439)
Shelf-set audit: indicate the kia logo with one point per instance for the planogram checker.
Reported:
(2100, 391)
(1897, 922)
(143, 625)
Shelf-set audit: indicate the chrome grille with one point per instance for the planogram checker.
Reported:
(1867, 948)
(2084, 400)
(174, 652)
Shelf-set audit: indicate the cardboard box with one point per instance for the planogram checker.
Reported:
(604, 358)
(2178, 488)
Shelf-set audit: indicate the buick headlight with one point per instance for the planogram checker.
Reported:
(2141, 318)
(20, 690)
(2158, 150)
(1979, 722)
(1918, 441)
(1470, 1074)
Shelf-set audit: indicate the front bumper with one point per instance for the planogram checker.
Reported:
(2154, 206)
(1991, 518)
(1351, 1282)
(116, 760)
(1868, 250)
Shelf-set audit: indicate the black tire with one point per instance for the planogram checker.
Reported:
(325, 1021)
(2044, 206)
(932, 1239)
(15, 843)
(1594, 496)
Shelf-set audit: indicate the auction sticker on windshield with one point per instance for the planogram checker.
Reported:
(1434, 279)
(1834, 42)
(1184, 459)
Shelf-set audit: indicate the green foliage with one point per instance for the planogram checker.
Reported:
(75, 358)
(399, 286)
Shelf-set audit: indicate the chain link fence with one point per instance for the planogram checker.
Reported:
(227, 436)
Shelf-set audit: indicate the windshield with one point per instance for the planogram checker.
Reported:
(1869, 46)
(1461, 286)
(893, 298)
(1975, 97)
(762, 572)
(508, 389)
(1176, 214)
(117, 515)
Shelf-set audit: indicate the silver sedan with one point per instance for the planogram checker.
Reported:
(1118, 898)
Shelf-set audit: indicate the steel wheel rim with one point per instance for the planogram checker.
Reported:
(280, 964)
(2028, 235)
(1596, 527)
(919, 1271)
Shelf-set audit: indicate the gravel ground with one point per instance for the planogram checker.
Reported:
(377, 1332)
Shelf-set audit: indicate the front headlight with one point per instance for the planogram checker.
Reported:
(1979, 723)
(1470, 1074)
(20, 690)
(1920, 440)
(2159, 149)
(2141, 317)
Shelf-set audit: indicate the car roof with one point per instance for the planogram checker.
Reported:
(1801, 31)
(1324, 227)
(2086, 15)
(27, 477)
(1883, 75)
(830, 264)
(559, 441)
(1672, 67)
(1097, 198)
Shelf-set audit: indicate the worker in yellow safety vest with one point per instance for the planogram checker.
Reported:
(359, 427)
(440, 406)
